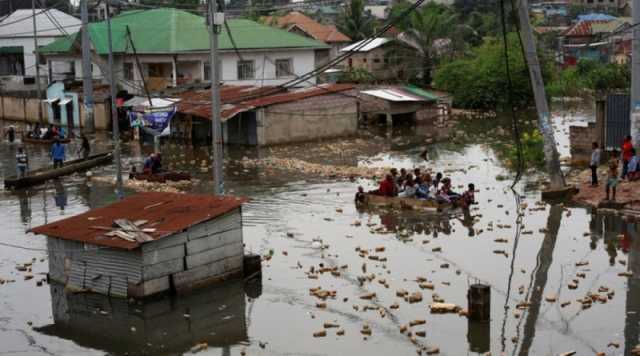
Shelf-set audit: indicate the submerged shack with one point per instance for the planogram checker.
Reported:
(148, 243)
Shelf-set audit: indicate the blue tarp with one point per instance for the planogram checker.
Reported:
(596, 17)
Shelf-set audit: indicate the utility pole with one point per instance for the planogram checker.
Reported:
(87, 74)
(114, 109)
(635, 74)
(216, 20)
(551, 155)
(37, 54)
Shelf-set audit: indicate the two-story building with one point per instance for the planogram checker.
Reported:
(17, 55)
(167, 48)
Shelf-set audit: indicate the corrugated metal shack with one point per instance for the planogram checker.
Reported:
(148, 243)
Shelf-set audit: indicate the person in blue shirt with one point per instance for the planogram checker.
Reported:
(57, 154)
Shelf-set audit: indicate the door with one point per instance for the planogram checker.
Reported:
(617, 121)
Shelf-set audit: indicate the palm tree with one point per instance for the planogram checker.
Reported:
(354, 22)
(426, 25)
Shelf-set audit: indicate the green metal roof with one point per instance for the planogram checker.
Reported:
(12, 50)
(421, 92)
(167, 30)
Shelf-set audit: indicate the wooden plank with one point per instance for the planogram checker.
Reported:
(169, 241)
(213, 241)
(209, 256)
(208, 273)
(229, 221)
(153, 257)
(162, 269)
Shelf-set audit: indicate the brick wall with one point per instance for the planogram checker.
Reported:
(581, 138)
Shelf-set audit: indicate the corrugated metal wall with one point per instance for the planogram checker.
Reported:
(107, 271)
(618, 122)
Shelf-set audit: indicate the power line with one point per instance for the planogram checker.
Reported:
(340, 58)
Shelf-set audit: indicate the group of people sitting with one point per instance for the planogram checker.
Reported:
(420, 185)
(45, 133)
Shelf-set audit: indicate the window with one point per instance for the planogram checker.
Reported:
(284, 68)
(246, 70)
(207, 71)
(127, 68)
(364, 60)
(376, 60)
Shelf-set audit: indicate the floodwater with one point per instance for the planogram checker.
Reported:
(291, 214)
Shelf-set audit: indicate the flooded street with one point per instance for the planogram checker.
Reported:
(306, 222)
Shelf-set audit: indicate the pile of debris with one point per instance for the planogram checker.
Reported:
(127, 230)
(146, 186)
(319, 170)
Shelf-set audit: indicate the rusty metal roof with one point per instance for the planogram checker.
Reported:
(237, 99)
(168, 213)
(583, 28)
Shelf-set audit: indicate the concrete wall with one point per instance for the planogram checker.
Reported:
(320, 117)
(20, 109)
(25, 110)
(581, 138)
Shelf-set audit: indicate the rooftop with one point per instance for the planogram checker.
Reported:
(167, 30)
(237, 99)
(370, 45)
(314, 29)
(19, 23)
(167, 213)
(403, 93)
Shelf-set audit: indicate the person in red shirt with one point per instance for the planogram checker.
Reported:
(388, 187)
(627, 155)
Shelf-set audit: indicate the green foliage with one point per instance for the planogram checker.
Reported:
(465, 7)
(425, 25)
(532, 150)
(357, 76)
(590, 76)
(354, 22)
(479, 81)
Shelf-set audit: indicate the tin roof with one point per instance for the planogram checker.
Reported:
(405, 93)
(48, 23)
(166, 30)
(585, 28)
(198, 103)
(168, 213)
(316, 30)
(367, 45)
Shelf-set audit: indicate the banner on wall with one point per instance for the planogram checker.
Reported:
(155, 122)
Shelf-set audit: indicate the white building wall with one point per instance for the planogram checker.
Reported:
(265, 69)
(264, 64)
(29, 57)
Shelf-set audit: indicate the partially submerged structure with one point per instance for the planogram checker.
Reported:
(147, 244)
(268, 115)
(393, 103)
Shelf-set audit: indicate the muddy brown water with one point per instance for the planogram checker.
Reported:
(276, 315)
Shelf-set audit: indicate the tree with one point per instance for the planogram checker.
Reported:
(423, 27)
(354, 22)
(479, 81)
(466, 7)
